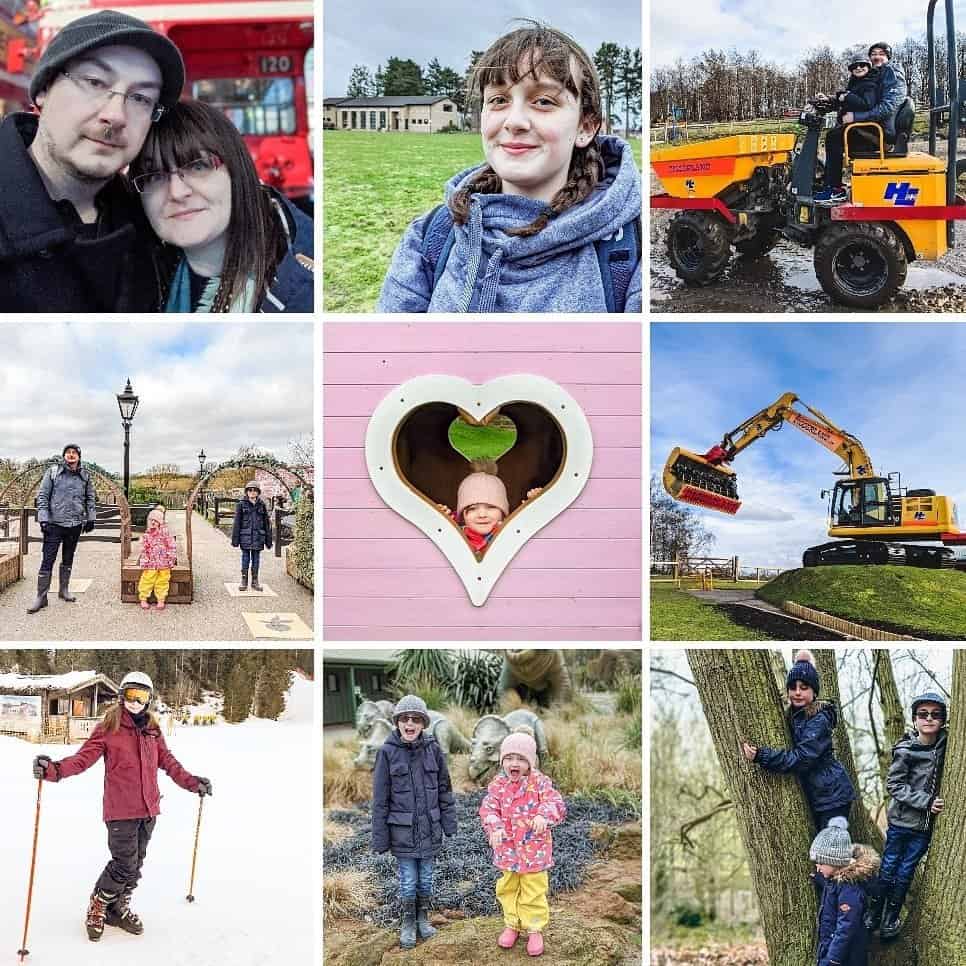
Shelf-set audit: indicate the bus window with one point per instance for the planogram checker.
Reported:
(255, 105)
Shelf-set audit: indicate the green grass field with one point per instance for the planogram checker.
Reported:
(483, 442)
(928, 603)
(677, 616)
(375, 185)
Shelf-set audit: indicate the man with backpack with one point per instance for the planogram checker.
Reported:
(65, 507)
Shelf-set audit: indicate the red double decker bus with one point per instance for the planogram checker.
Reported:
(245, 57)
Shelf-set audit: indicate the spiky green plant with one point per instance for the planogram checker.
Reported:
(475, 680)
(628, 694)
(435, 696)
(427, 664)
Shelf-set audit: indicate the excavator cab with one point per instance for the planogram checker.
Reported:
(862, 503)
(695, 479)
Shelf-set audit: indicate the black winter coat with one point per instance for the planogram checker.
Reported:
(842, 939)
(812, 758)
(252, 529)
(47, 262)
(862, 93)
(412, 798)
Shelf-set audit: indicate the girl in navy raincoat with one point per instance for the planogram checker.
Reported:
(843, 875)
(412, 808)
(825, 782)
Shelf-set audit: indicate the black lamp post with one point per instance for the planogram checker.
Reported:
(127, 402)
(201, 463)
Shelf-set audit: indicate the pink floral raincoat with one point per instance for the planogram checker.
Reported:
(511, 805)
(158, 549)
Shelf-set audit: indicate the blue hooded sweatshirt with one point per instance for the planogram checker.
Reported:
(555, 270)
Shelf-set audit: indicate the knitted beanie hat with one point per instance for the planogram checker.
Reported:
(253, 485)
(804, 670)
(156, 514)
(833, 844)
(481, 488)
(63, 452)
(101, 29)
(411, 704)
(522, 744)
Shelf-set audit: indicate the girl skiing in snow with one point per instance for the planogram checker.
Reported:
(826, 783)
(519, 809)
(412, 806)
(130, 741)
(551, 221)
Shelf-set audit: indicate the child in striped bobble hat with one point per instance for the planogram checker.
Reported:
(519, 809)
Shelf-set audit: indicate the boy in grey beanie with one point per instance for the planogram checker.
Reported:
(843, 872)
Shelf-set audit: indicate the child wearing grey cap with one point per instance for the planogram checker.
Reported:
(843, 874)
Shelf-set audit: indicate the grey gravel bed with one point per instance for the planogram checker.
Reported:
(464, 874)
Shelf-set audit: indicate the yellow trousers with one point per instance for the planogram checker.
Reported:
(523, 898)
(157, 580)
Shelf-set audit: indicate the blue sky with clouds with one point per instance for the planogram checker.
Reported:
(900, 387)
(783, 32)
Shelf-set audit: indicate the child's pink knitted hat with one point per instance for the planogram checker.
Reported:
(522, 744)
(156, 514)
(481, 488)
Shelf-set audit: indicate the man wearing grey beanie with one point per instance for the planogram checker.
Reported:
(843, 876)
(73, 237)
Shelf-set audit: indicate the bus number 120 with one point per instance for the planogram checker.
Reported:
(275, 64)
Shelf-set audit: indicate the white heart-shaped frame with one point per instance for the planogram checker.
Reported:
(479, 576)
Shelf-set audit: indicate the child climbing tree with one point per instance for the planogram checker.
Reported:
(742, 701)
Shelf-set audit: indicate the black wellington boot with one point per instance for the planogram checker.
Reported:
(873, 911)
(63, 591)
(423, 927)
(43, 585)
(255, 584)
(244, 581)
(407, 931)
(96, 913)
(891, 926)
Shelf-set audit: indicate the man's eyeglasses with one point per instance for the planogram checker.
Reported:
(193, 174)
(934, 715)
(100, 92)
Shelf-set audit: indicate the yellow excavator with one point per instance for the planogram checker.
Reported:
(873, 517)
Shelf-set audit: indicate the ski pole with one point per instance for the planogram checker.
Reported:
(23, 951)
(194, 858)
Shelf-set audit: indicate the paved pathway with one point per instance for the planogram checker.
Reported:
(99, 614)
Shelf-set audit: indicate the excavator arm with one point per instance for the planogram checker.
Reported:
(706, 480)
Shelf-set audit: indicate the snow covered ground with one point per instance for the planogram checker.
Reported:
(255, 884)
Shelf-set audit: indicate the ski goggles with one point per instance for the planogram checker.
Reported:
(136, 695)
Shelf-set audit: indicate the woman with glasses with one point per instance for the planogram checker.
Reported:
(129, 740)
(227, 242)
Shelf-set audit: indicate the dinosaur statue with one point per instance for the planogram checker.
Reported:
(440, 728)
(538, 674)
(368, 712)
(488, 734)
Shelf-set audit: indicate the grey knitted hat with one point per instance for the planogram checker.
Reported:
(833, 844)
(110, 27)
(411, 704)
(252, 485)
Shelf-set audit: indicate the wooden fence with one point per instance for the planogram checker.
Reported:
(858, 631)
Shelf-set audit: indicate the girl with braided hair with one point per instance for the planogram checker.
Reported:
(544, 225)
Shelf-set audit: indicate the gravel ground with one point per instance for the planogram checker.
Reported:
(465, 876)
(99, 615)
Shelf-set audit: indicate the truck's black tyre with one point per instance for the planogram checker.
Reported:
(698, 246)
(861, 264)
(761, 243)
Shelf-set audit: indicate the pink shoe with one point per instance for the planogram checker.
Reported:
(535, 944)
(145, 605)
(161, 605)
(507, 938)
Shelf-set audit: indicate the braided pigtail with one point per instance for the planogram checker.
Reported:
(487, 182)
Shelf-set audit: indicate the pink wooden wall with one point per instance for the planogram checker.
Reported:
(578, 579)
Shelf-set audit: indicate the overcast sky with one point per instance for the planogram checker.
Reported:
(897, 386)
(783, 32)
(211, 386)
(422, 29)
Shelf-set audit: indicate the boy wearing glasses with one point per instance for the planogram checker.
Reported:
(913, 783)
(72, 234)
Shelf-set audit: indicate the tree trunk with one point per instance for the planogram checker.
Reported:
(942, 909)
(892, 716)
(741, 702)
(778, 669)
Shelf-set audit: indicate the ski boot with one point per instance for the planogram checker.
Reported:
(96, 913)
(423, 927)
(63, 591)
(43, 585)
(407, 930)
(120, 914)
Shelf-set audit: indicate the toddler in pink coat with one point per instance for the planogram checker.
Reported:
(159, 553)
(519, 809)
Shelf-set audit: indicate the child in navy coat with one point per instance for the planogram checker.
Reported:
(842, 877)
(826, 783)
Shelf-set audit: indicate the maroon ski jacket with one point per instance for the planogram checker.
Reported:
(131, 762)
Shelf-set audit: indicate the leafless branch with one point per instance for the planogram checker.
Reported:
(690, 826)
(671, 674)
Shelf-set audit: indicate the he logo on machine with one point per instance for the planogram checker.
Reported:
(903, 193)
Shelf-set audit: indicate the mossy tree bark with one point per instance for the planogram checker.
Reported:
(741, 701)
(942, 908)
(893, 719)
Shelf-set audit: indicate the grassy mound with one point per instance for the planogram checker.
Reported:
(907, 600)
(677, 616)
